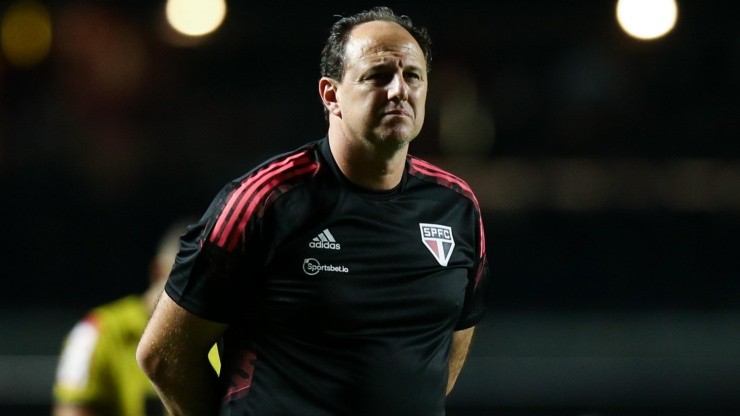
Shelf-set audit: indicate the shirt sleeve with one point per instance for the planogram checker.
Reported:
(476, 296)
(209, 271)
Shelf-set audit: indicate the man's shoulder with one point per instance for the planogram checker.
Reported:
(285, 161)
(245, 200)
(270, 174)
(297, 164)
(434, 174)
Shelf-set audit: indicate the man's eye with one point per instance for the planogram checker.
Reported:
(380, 77)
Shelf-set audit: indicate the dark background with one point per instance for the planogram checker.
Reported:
(608, 170)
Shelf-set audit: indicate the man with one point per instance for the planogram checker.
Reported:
(97, 372)
(345, 277)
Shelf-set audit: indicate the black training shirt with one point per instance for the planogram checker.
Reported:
(339, 300)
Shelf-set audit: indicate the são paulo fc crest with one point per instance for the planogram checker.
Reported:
(439, 241)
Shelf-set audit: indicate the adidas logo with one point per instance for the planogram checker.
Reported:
(325, 240)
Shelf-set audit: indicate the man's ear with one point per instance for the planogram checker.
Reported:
(328, 93)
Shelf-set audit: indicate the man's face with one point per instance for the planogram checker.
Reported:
(383, 93)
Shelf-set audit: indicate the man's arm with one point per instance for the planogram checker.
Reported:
(173, 352)
(460, 345)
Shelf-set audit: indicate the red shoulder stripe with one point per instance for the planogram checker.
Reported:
(226, 219)
(234, 216)
(444, 177)
(270, 185)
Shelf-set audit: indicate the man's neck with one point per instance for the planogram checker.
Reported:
(367, 165)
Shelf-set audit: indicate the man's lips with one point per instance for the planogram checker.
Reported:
(397, 112)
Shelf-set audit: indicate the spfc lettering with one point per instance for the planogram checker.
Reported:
(438, 239)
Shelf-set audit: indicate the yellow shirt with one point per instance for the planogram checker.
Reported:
(98, 368)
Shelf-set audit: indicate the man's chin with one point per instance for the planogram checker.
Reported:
(398, 135)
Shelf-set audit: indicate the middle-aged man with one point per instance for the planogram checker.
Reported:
(344, 277)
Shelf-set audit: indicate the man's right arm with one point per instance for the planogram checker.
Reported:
(173, 352)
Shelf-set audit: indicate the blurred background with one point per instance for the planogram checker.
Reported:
(604, 148)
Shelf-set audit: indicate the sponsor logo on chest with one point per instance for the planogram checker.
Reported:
(438, 239)
(312, 266)
(325, 241)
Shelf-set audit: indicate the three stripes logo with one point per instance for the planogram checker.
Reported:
(325, 241)
(439, 241)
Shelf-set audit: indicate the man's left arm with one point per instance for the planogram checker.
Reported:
(459, 351)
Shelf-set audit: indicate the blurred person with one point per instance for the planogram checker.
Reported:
(97, 372)
(344, 277)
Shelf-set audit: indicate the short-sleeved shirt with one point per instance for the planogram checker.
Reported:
(339, 300)
(97, 366)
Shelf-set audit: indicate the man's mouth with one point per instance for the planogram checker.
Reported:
(397, 112)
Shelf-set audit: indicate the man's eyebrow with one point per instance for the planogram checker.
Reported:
(383, 64)
(413, 67)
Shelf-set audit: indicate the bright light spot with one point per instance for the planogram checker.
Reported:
(647, 19)
(195, 17)
(25, 33)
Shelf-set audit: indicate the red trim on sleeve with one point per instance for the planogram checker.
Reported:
(244, 200)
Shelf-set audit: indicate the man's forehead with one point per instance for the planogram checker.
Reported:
(382, 38)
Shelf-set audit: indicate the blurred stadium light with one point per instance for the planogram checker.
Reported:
(195, 17)
(25, 33)
(647, 19)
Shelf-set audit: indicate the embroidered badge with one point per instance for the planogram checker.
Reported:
(439, 241)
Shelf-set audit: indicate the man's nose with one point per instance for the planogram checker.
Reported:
(398, 89)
